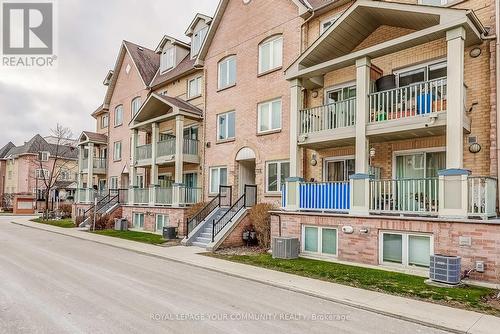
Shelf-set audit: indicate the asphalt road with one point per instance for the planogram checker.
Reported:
(51, 283)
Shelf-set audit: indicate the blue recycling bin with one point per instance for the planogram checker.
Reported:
(424, 103)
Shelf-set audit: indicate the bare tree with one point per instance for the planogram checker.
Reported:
(56, 158)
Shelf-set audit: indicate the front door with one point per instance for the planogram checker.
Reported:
(246, 174)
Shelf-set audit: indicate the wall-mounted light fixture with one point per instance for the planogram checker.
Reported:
(314, 161)
(475, 148)
(314, 94)
(475, 52)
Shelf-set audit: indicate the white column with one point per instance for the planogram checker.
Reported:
(90, 176)
(154, 167)
(455, 98)
(362, 91)
(295, 106)
(179, 152)
(80, 174)
(133, 168)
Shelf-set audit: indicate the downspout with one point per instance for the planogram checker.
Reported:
(497, 87)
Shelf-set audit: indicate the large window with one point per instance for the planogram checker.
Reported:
(167, 59)
(136, 105)
(117, 152)
(194, 87)
(276, 174)
(198, 38)
(161, 221)
(227, 72)
(226, 125)
(419, 165)
(113, 182)
(271, 54)
(319, 240)
(421, 73)
(406, 249)
(42, 174)
(340, 94)
(338, 169)
(218, 177)
(138, 220)
(119, 115)
(269, 116)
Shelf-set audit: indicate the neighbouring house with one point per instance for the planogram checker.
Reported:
(371, 125)
(26, 170)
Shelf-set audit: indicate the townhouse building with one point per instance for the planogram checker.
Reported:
(371, 125)
(26, 170)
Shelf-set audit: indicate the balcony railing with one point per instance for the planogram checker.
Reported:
(190, 146)
(408, 101)
(328, 117)
(141, 195)
(85, 163)
(144, 152)
(166, 147)
(85, 195)
(164, 196)
(99, 163)
(322, 196)
(482, 196)
(405, 196)
(190, 195)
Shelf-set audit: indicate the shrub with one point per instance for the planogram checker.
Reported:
(260, 218)
(194, 209)
(65, 210)
(104, 222)
(78, 220)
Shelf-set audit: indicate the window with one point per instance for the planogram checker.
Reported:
(119, 115)
(138, 220)
(65, 175)
(226, 125)
(167, 59)
(276, 174)
(113, 182)
(198, 38)
(324, 25)
(338, 169)
(136, 105)
(139, 181)
(190, 132)
(42, 174)
(319, 240)
(43, 156)
(421, 73)
(434, 2)
(194, 87)
(117, 152)
(419, 164)
(227, 72)
(104, 121)
(271, 54)
(161, 221)
(407, 249)
(269, 115)
(218, 177)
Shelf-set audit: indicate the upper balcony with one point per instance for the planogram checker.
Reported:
(98, 165)
(166, 151)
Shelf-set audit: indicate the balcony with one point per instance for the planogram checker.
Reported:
(155, 196)
(98, 165)
(166, 151)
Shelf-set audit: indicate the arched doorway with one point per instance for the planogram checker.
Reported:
(246, 168)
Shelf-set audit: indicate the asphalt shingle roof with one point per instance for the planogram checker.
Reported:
(37, 144)
(146, 60)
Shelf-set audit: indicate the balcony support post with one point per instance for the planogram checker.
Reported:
(292, 193)
(179, 160)
(154, 167)
(453, 193)
(132, 167)
(295, 106)
(90, 167)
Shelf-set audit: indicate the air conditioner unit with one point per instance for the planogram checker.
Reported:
(445, 269)
(285, 248)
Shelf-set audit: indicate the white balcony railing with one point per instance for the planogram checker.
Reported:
(328, 117)
(190, 146)
(418, 196)
(141, 195)
(482, 196)
(99, 163)
(190, 195)
(164, 196)
(144, 152)
(166, 147)
(408, 101)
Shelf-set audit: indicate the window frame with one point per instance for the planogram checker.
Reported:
(405, 248)
(424, 151)
(272, 49)
(118, 108)
(320, 241)
(413, 68)
(166, 219)
(133, 103)
(134, 216)
(164, 59)
(270, 116)
(210, 179)
(199, 87)
(344, 159)
(227, 138)
(115, 150)
(278, 175)
(113, 179)
(43, 156)
(196, 36)
(42, 174)
(104, 121)
(226, 60)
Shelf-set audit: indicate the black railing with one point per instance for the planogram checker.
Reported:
(114, 196)
(248, 199)
(222, 197)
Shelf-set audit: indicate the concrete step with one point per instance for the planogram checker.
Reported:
(206, 234)
(203, 240)
(199, 244)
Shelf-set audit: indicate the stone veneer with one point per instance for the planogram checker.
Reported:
(363, 247)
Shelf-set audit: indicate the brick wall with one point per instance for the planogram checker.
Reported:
(363, 248)
(235, 238)
(177, 216)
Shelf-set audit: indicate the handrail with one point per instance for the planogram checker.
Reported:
(201, 214)
(216, 226)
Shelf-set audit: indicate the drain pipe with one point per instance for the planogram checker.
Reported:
(497, 86)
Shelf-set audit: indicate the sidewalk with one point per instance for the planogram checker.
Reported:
(433, 315)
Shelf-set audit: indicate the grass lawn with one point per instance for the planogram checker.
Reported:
(66, 223)
(467, 297)
(147, 238)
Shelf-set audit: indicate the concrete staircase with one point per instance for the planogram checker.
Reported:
(205, 237)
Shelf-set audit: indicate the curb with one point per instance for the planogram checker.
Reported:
(276, 285)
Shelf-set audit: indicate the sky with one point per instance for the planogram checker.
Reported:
(89, 37)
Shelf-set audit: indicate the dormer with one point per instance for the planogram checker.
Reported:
(197, 31)
(108, 77)
(172, 51)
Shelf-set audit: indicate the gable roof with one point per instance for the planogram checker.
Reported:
(172, 40)
(190, 30)
(4, 150)
(38, 143)
(93, 137)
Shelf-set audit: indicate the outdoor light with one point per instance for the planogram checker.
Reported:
(314, 162)
(315, 94)
(475, 52)
(474, 148)
(372, 152)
